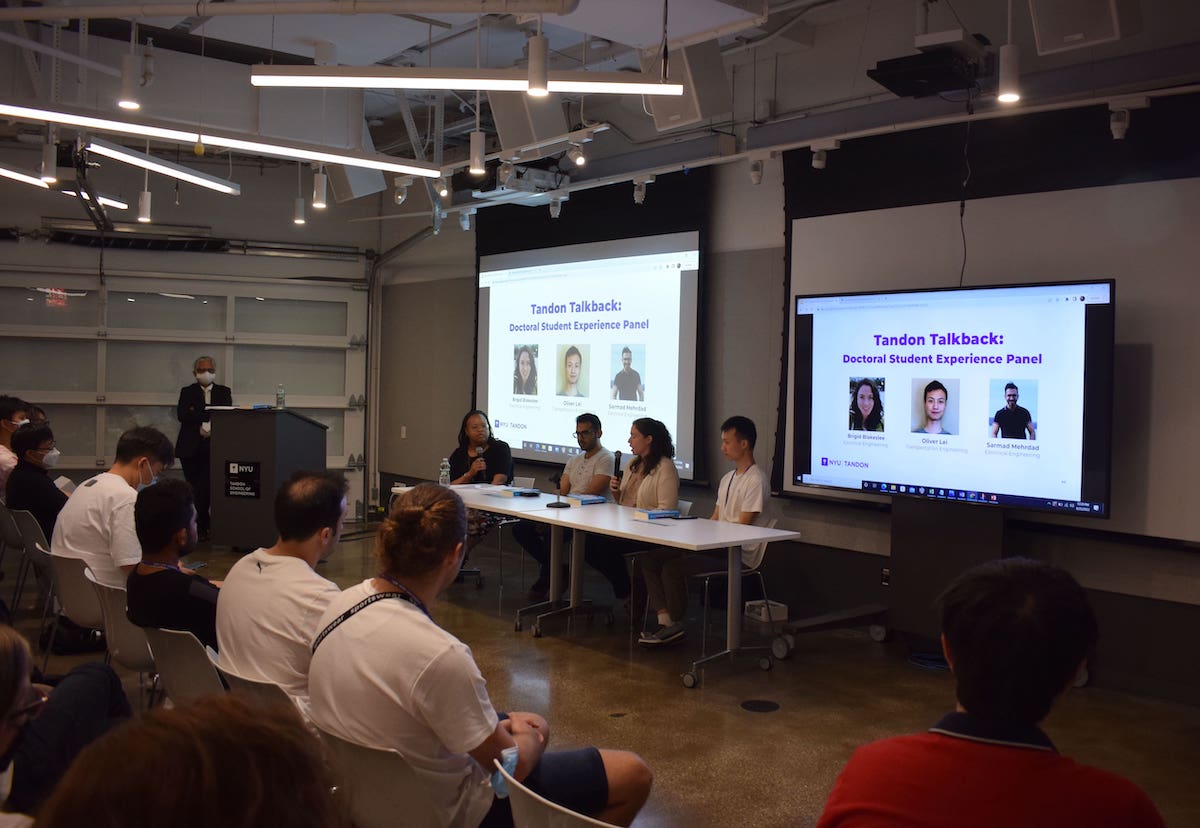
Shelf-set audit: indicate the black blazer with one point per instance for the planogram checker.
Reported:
(191, 414)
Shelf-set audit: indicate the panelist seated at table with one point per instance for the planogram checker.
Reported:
(650, 482)
(480, 458)
(741, 497)
(586, 473)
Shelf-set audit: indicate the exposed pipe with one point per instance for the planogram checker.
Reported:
(61, 54)
(207, 8)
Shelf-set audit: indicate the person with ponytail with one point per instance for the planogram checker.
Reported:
(384, 674)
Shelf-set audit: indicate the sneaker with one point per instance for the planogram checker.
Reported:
(663, 635)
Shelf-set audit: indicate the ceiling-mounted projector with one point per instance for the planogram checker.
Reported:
(948, 61)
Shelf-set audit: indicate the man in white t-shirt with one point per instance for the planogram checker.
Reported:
(740, 499)
(586, 473)
(96, 524)
(273, 598)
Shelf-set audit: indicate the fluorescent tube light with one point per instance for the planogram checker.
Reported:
(25, 178)
(167, 168)
(107, 201)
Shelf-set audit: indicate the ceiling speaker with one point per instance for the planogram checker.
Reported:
(701, 70)
(1063, 25)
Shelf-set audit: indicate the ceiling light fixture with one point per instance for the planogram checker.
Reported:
(320, 181)
(575, 153)
(639, 188)
(131, 74)
(304, 152)
(464, 219)
(1009, 86)
(556, 206)
(539, 81)
(144, 195)
(477, 165)
(25, 178)
(298, 211)
(107, 201)
(505, 173)
(442, 187)
(167, 168)
(401, 184)
(50, 159)
(462, 80)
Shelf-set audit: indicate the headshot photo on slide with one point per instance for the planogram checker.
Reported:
(628, 364)
(935, 406)
(866, 403)
(573, 362)
(1015, 403)
(525, 369)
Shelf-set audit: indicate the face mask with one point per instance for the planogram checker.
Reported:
(206, 377)
(51, 458)
(153, 478)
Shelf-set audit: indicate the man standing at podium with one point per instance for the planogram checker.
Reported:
(192, 447)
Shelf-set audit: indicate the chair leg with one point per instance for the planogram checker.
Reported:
(50, 644)
(22, 573)
(762, 587)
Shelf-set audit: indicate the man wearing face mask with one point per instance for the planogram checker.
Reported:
(192, 446)
(13, 415)
(29, 485)
(96, 525)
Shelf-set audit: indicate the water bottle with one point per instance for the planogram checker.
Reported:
(280, 396)
(444, 473)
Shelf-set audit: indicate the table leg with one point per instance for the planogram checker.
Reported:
(733, 620)
(556, 556)
(579, 539)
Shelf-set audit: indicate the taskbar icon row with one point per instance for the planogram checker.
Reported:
(550, 448)
(931, 492)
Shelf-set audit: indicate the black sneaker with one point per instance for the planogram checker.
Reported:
(663, 635)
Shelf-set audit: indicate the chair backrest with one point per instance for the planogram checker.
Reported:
(760, 551)
(127, 642)
(523, 482)
(79, 601)
(263, 691)
(530, 810)
(684, 507)
(378, 787)
(183, 665)
(29, 528)
(10, 535)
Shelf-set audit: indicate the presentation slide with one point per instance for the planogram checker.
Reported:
(975, 395)
(607, 328)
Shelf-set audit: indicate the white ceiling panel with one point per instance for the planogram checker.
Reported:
(639, 22)
(360, 39)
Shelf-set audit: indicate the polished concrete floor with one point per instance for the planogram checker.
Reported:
(719, 764)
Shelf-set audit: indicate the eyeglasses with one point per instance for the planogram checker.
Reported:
(587, 433)
(31, 708)
(50, 447)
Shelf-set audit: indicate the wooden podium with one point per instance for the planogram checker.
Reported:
(254, 451)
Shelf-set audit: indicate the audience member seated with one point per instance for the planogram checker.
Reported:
(385, 675)
(41, 733)
(160, 591)
(29, 485)
(96, 524)
(587, 473)
(1016, 633)
(479, 458)
(273, 599)
(223, 761)
(651, 482)
(741, 496)
(13, 414)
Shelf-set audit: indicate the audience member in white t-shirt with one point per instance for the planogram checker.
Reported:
(273, 599)
(385, 675)
(96, 524)
(740, 499)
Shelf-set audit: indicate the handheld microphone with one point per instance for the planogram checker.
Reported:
(617, 464)
(479, 456)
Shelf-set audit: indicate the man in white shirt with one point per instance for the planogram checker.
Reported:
(273, 598)
(586, 473)
(740, 499)
(96, 524)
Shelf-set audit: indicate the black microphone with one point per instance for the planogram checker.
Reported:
(617, 464)
(479, 455)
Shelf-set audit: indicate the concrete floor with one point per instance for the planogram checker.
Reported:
(715, 763)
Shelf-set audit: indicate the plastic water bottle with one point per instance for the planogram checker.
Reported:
(280, 396)
(444, 473)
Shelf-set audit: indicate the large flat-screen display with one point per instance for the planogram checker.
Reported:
(607, 328)
(1000, 396)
